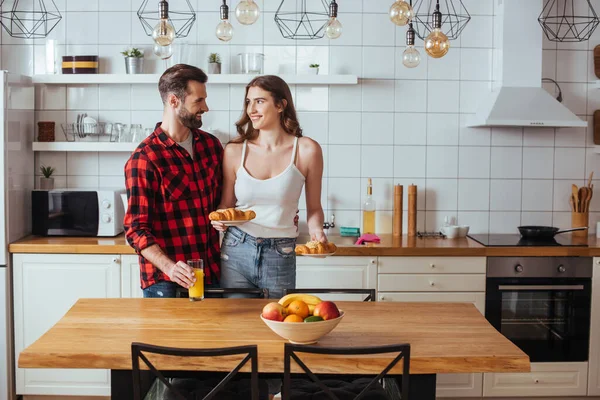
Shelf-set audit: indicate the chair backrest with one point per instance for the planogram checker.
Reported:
(291, 350)
(138, 350)
(370, 293)
(261, 293)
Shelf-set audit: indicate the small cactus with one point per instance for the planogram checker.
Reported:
(46, 171)
(314, 65)
(214, 58)
(134, 52)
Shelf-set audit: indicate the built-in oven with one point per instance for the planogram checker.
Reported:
(542, 305)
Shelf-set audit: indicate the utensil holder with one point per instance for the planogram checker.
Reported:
(579, 220)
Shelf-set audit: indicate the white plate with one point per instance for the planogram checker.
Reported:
(235, 223)
(318, 255)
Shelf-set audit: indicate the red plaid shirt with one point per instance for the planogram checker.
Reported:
(170, 197)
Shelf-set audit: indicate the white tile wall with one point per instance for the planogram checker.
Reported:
(397, 125)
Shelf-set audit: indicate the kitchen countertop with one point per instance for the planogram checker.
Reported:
(389, 246)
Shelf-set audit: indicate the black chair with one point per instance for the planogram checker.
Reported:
(370, 293)
(363, 385)
(258, 293)
(138, 350)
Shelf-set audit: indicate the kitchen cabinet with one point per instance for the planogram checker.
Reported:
(130, 276)
(545, 379)
(45, 287)
(437, 279)
(594, 359)
(337, 272)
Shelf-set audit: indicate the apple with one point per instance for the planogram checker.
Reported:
(274, 311)
(326, 310)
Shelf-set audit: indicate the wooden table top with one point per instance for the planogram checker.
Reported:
(389, 246)
(444, 337)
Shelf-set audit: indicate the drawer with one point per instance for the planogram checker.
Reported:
(545, 379)
(431, 283)
(432, 265)
(477, 298)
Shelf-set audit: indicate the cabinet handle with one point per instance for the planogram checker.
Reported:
(432, 265)
(115, 260)
(537, 381)
(372, 261)
(431, 283)
(382, 298)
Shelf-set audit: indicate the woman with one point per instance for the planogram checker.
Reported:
(264, 170)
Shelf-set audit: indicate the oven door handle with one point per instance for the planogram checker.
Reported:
(540, 287)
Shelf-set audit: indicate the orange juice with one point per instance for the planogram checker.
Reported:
(196, 292)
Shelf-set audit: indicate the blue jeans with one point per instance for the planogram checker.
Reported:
(249, 262)
(166, 289)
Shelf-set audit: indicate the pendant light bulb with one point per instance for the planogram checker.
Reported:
(411, 56)
(334, 26)
(401, 13)
(163, 52)
(163, 33)
(437, 43)
(224, 30)
(247, 12)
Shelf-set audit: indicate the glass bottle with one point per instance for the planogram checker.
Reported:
(369, 210)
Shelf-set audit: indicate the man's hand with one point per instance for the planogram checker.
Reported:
(181, 273)
(318, 236)
(296, 219)
(218, 225)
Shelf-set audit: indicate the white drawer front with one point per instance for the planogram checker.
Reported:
(477, 298)
(545, 379)
(459, 385)
(431, 283)
(432, 265)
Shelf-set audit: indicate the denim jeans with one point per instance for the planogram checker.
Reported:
(249, 262)
(167, 289)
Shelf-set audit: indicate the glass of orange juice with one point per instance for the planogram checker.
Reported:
(196, 292)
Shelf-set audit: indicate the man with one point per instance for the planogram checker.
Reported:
(173, 182)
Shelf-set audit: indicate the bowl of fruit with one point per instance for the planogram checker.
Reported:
(301, 318)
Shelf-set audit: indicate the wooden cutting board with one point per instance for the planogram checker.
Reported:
(597, 127)
(597, 61)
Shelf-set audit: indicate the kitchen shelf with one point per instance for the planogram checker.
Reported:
(226, 79)
(84, 146)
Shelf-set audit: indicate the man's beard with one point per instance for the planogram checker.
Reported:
(188, 119)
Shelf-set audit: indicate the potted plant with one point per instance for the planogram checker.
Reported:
(46, 182)
(214, 63)
(314, 68)
(134, 60)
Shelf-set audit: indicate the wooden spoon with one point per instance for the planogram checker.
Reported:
(575, 192)
(590, 179)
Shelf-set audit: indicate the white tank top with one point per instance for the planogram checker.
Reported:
(274, 200)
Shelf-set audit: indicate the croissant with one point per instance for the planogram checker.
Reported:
(315, 247)
(231, 214)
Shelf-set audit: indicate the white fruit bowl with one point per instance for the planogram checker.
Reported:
(303, 332)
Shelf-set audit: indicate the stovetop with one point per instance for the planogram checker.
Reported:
(511, 240)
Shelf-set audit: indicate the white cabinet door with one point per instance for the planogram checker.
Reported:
(545, 379)
(46, 286)
(594, 367)
(448, 385)
(130, 276)
(337, 272)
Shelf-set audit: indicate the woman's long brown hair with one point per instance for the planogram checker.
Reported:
(280, 91)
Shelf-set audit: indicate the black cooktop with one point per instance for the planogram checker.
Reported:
(511, 240)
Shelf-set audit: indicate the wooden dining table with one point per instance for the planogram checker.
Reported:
(444, 338)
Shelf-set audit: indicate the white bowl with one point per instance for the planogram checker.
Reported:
(303, 332)
(463, 230)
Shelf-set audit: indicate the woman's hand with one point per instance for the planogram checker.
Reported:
(218, 225)
(318, 236)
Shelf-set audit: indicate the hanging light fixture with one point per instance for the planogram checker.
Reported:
(247, 12)
(35, 23)
(560, 24)
(174, 20)
(411, 56)
(437, 43)
(401, 12)
(224, 29)
(310, 22)
(454, 17)
(334, 26)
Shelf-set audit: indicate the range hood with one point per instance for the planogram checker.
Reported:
(517, 98)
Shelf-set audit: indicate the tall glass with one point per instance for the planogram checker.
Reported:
(196, 292)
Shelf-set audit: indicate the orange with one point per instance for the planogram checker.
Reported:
(298, 307)
(293, 318)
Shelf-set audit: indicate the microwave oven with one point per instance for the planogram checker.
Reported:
(77, 212)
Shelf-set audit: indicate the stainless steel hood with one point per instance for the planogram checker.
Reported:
(518, 98)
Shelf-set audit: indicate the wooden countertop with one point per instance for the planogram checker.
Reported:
(444, 337)
(389, 246)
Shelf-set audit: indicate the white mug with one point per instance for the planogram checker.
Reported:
(598, 229)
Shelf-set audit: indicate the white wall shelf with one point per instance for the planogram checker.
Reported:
(84, 146)
(234, 79)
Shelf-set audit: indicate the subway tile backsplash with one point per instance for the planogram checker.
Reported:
(397, 126)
